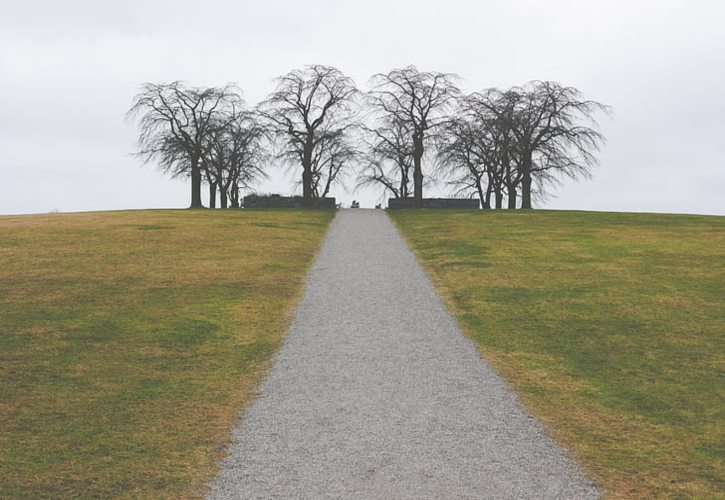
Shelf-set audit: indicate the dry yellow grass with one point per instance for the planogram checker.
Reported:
(130, 341)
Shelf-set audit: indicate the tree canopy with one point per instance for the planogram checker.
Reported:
(411, 129)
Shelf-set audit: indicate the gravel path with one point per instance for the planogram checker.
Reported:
(376, 393)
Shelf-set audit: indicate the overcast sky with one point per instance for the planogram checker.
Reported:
(68, 72)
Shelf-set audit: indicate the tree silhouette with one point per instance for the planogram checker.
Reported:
(420, 100)
(309, 109)
(175, 122)
(237, 155)
(388, 158)
(554, 130)
(522, 139)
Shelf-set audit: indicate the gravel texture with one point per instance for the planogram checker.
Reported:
(376, 393)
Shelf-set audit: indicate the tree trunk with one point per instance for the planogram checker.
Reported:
(526, 191)
(418, 186)
(417, 171)
(526, 182)
(223, 198)
(195, 185)
(212, 195)
(235, 195)
(306, 187)
(485, 203)
(307, 194)
(507, 181)
(328, 184)
(499, 197)
(489, 192)
(512, 197)
(418, 183)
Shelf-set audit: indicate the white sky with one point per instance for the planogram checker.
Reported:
(68, 72)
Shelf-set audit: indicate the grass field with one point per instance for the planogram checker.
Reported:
(610, 327)
(130, 341)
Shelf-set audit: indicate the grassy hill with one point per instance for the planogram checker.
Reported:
(610, 326)
(130, 342)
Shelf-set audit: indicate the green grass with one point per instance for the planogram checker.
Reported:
(130, 342)
(610, 327)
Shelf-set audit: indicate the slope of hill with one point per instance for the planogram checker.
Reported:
(610, 327)
(130, 341)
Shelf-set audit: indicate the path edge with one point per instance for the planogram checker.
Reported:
(583, 467)
(289, 316)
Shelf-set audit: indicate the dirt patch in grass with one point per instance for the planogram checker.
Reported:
(611, 328)
(130, 342)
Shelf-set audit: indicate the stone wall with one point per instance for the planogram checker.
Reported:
(277, 201)
(435, 203)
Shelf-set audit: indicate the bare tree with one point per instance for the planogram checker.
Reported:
(388, 160)
(175, 121)
(331, 162)
(467, 154)
(477, 150)
(309, 107)
(418, 99)
(496, 110)
(236, 156)
(214, 164)
(550, 139)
